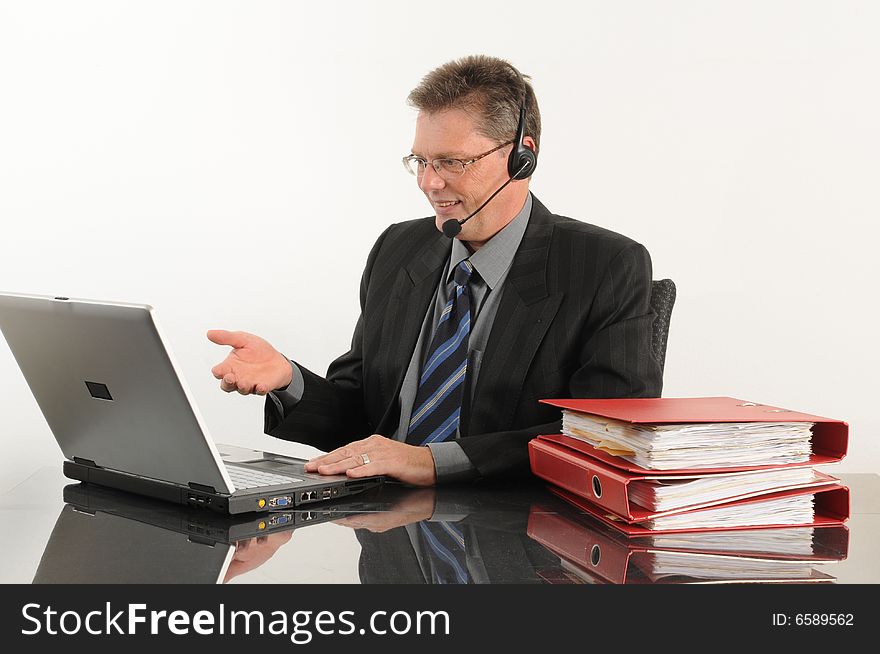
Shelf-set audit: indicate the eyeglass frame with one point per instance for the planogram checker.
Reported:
(464, 162)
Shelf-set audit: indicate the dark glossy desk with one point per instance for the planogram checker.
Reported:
(512, 534)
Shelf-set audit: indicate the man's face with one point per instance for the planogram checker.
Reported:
(452, 134)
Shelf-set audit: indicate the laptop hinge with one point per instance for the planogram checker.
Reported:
(202, 488)
(85, 462)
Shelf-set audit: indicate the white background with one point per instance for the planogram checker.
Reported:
(231, 163)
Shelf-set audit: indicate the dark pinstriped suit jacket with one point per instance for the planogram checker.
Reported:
(574, 321)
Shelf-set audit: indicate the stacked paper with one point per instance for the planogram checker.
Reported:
(671, 492)
(701, 445)
(793, 510)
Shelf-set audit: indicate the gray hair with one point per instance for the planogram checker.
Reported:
(488, 87)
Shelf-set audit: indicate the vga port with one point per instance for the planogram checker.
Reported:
(279, 519)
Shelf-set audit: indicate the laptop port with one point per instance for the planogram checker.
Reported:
(325, 494)
(284, 500)
(309, 515)
(280, 519)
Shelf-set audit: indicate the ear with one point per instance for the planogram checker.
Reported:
(529, 142)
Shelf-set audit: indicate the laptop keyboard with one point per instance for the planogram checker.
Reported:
(253, 478)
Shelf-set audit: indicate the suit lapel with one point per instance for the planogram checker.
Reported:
(413, 289)
(524, 316)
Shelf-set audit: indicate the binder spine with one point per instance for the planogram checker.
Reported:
(573, 473)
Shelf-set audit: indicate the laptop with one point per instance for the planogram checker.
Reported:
(123, 416)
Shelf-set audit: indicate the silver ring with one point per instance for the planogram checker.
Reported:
(365, 459)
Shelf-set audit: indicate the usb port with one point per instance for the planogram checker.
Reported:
(325, 495)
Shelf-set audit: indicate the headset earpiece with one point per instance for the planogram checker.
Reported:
(522, 161)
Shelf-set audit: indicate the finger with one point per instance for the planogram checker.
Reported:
(220, 370)
(366, 470)
(244, 387)
(223, 337)
(316, 465)
(343, 465)
(331, 457)
(228, 383)
(335, 462)
(340, 467)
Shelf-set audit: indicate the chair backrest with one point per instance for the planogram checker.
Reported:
(662, 301)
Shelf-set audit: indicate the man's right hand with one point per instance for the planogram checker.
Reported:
(253, 366)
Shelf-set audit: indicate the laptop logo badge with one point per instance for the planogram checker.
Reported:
(99, 391)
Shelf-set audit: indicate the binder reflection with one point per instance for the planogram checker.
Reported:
(591, 552)
(108, 536)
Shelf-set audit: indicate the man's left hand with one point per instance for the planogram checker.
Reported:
(378, 455)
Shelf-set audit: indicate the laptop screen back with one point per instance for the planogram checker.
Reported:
(109, 389)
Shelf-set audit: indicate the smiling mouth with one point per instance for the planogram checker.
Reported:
(444, 205)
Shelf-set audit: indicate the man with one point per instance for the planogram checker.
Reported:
(459, 339)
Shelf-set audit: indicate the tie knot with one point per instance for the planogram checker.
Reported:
(463, 272)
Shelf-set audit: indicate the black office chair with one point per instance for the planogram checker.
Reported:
(662, 300)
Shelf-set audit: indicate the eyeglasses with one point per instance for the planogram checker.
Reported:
(446, 168)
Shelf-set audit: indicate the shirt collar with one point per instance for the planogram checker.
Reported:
(493, 259)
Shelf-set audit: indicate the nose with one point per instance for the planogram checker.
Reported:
(431, 180)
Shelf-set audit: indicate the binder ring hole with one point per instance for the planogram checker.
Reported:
(595, 555)
(597, 486)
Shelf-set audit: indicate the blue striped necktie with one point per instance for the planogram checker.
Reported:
(437, 407)
(446, 551)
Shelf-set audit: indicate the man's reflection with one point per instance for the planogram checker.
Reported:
(447, 535)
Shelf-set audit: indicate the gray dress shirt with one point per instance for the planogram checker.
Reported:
(491, 263)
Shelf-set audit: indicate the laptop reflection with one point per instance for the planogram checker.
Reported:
(104, 536)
